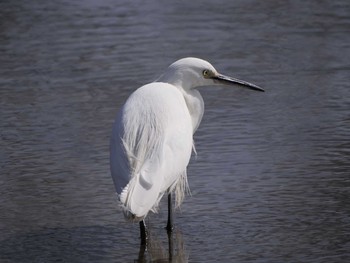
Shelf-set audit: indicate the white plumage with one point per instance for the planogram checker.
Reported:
(152, 136)
(152, 146)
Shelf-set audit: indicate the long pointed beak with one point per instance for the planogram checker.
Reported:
(232, 81)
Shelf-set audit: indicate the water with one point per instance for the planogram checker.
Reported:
(271, 179)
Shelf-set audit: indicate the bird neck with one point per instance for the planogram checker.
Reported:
(195, 105)
(185, 83)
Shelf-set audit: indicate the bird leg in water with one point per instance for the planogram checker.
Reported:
(143, 232)
(170, 247)
(169, 226)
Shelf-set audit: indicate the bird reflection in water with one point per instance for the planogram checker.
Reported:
(154, 250)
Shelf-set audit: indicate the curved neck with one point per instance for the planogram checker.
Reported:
(195, 105)
(185, 82)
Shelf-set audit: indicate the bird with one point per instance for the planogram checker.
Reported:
(152, 137)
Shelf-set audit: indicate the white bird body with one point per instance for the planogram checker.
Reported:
(152, 137)
(153, 146)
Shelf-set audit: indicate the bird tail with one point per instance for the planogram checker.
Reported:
(141, 195)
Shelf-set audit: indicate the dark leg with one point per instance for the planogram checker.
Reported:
(142, 250)
(170, 247)
(143, 232)
(169, 226)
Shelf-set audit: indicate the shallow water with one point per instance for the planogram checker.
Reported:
(271, 180)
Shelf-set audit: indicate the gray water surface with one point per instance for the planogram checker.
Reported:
(271, 180)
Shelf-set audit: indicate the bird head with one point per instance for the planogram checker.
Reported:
(189, 73)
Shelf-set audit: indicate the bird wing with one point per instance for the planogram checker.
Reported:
(150, 147)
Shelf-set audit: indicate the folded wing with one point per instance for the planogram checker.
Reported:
(150, 147)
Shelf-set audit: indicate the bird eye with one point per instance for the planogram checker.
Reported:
(206, 73)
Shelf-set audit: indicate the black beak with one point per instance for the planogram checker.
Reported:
(232, 81)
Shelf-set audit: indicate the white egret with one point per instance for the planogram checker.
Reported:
(152, 137)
